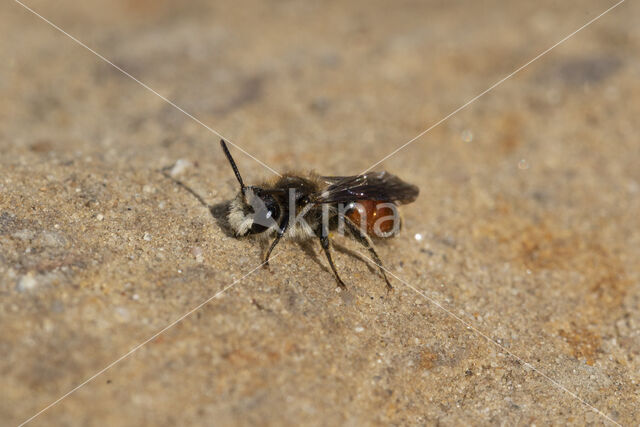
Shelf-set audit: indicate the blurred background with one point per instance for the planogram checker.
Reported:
(526, 226)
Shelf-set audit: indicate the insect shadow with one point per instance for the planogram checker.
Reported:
(218, 211)
(354, 254)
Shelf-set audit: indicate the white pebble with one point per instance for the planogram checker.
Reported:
(147, 237)
(197, 252)
(359, 329)
(418, 237)
(122, 314)
(180, 167)
(27, 283)
(99, 217)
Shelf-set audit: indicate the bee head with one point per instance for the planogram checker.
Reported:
(254, 210)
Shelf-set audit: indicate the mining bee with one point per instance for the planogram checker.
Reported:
(309, 207)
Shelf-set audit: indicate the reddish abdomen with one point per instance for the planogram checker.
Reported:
(372, 212)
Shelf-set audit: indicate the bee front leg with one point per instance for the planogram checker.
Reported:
(324, 241)
(268, 254)
(282, 228)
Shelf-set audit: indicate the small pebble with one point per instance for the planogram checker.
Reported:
(27, 283)
(180, 167)
(99, 217)
(197, 252)
(359, 329)
(52, 239)
(418, 237)
(523, 164)
(122, 314)
(147, 237)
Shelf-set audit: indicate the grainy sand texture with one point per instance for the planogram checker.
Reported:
(517, 288)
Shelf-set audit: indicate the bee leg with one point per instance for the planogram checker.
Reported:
(324, 241)
(268, 254)
(365, 241)
(283, 227)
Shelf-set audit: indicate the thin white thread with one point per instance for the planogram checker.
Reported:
(144, 85)
(493, 86)
(137, 347)
(500, 346)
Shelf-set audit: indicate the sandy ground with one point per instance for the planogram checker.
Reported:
(527, 228)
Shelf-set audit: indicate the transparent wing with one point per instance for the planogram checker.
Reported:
(381, 186)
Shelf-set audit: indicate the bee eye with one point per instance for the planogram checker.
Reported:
(273, 210)
(264, 210)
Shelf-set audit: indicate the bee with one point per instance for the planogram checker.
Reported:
(310, 207)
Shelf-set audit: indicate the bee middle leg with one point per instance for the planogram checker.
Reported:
(362, 238)
(324, 241)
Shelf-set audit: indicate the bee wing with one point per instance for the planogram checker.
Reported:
(381, 186)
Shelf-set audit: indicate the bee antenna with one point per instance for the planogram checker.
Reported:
(232, 163)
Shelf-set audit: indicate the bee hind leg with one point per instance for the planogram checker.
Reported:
(324, 241)
(365, 241)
